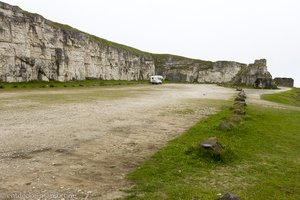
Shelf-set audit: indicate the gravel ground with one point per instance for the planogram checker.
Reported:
(81, 143)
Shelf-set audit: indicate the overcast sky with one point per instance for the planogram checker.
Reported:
(238, 30)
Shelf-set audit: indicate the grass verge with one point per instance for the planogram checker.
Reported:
(69, 84)
(291, 97)
(262, 160)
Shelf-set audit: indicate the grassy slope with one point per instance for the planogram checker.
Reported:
(291, 97)
(264, 165)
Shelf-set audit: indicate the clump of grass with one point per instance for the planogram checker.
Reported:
(2, 87)
(291, 97)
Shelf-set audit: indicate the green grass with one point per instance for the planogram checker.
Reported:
(291, 97)
(261, 160)
(70, 84)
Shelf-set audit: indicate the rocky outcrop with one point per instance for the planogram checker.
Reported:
(181, 69)
(284, 82)
(34, 48)
(256, 75)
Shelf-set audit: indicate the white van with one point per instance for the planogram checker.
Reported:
(156, 79)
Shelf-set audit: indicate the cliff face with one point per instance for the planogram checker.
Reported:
(256, 75)
(34, 48)
(183, 69)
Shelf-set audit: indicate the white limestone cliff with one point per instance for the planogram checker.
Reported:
(34, 48)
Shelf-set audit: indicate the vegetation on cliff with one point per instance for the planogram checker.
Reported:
(182, 62)
(101, 41)
(107, 43)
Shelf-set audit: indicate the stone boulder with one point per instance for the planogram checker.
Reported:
(242, 94)
(239, 98)
(213, 145)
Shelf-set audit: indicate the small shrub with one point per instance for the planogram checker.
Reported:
(14, 86)
(52, 86)
(2, 87)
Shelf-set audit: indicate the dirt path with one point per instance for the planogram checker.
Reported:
(80, 143)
